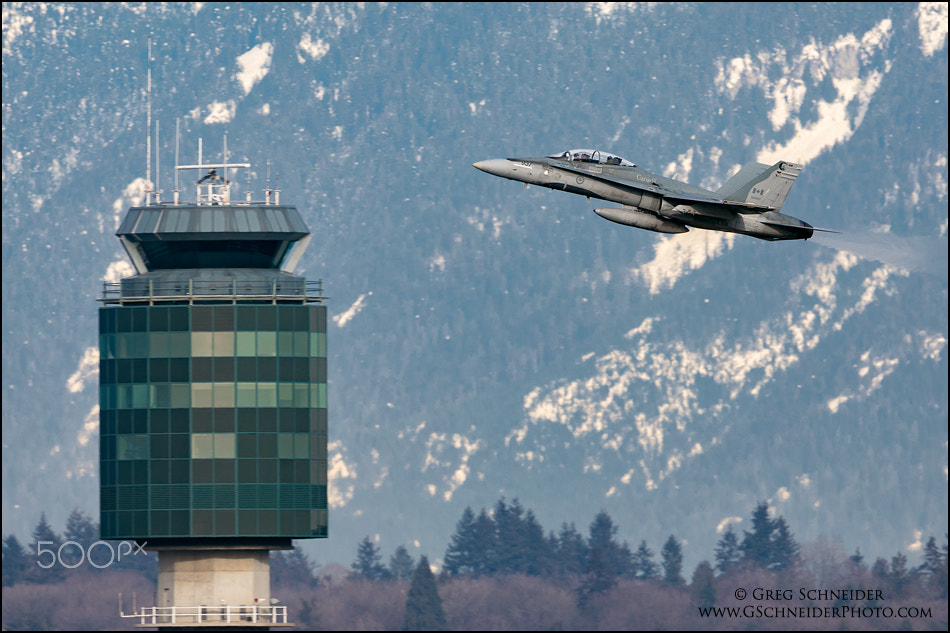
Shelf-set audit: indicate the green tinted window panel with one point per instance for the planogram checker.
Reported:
(202, 394)
(225, 496)
(266, 394)
(223, 394)
(202, 496)
(246, 445)
(158, 370)
(318, 446)
(202, 522)
(202, 344)
(202, 445)
(247, 522)
(179, 344)
(223, 344)
(224, 369)
(245, 344)
(285, 445)
(285, 394)
(160, 497)
(224, 471)
(202, 319)
(318, 472)
(160, 523)
(224, 420)
(268, 522)
(318, 395)
(285, 344)
(246, 394)
(318, 522)
(318, 344)
(159, 344)
(107, 498)
(266, 343)
(318, 497)
(179, 496)
(160, 396)
(180, 522)
(130, 447)
(225, 523)
(158, 319)
(107, 346)
(158, 448)
(224, 318)
(301, 446)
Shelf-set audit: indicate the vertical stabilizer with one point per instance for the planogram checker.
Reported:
(762, 185)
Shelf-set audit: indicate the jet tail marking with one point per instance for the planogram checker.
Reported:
(761, 185)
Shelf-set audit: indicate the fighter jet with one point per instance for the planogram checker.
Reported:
(749, 203)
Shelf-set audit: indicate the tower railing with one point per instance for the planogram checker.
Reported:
(201, 290)
(209, 616)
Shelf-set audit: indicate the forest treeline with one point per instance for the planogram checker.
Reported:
(501, 571)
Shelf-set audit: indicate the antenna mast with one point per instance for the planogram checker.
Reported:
(148, 126)
(158, 168)
(177, 132)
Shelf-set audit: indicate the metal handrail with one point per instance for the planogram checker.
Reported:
(202, 614)
(200, 290)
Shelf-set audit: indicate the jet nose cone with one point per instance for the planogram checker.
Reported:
(495, 167)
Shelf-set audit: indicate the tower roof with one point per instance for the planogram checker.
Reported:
(234, 235)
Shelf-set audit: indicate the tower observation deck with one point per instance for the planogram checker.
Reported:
(213, 400)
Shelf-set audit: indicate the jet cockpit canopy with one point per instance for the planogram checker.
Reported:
(592, 156)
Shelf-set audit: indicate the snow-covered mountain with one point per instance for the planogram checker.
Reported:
(489, 340)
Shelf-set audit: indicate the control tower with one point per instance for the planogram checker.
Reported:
(213, 400)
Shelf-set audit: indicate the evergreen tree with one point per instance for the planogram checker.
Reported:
(367, 564)
(80, 530)
(570, 550)
(45, 547)
(784, 548)
(757, 545)
(401, 564)
(538, 557)
(770, 545)
(292, 569)
(935, 567)
(728, 551)
(460, 557)
(703, 586)
(509, 546)
(899, 575)
(857, 559)
(424, 606)
(605, 561)
(880, 570)
(643, 565)
(484, 545)
(672, 555)
(15, 561)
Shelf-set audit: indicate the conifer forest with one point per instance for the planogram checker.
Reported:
(501, 570)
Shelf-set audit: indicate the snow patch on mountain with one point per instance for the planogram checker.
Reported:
(255, 64)
(644, 399)
(932, 23)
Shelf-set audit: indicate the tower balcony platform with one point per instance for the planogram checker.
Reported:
(188, 287)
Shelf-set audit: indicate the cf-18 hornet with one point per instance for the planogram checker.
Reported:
(749, 203)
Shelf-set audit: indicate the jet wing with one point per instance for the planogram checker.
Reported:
(675, 196)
